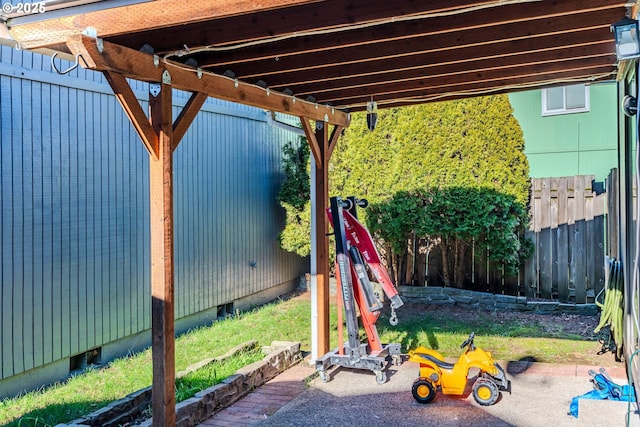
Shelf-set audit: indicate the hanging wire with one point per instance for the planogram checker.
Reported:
(70, 69)
(219, 48)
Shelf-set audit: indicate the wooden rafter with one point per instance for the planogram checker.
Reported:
(477, 28)
(187, 115)
(290, 72)
(500, 84)
(316, 150)
(482, 78)
(466, 57)
(159, 14)
(124, 94)
(132, 108)
(331, 51)
(225, 21)
(146, 67)
(333, 140)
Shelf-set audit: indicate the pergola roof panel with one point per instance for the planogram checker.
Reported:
(342, 53)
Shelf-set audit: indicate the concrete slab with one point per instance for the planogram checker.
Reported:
(540, 397)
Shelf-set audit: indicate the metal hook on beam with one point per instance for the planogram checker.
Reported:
(70, 69)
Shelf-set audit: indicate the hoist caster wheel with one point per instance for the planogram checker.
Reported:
(324, 376)
(363, 203)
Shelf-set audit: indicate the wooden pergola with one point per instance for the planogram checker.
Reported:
(319, 60)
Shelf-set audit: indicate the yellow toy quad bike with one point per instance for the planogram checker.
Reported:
(452, 378)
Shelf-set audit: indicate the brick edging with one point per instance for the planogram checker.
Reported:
(487, 301)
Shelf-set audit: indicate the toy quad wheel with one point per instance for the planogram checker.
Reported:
(423, 390)
(485, 392)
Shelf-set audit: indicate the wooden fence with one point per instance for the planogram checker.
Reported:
(568, 232)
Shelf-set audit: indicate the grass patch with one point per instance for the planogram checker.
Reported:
(214, 373)
(515, 339)
(289, 321)
(62, 402)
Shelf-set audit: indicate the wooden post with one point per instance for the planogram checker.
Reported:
(160, 137)
(162, 262)
(322, 240)
(322, 146)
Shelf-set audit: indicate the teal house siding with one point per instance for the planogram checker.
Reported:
(74, 233)
(569, 144)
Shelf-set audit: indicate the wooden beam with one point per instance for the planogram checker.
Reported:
(134, 111)
(479, 26)
(473, 75)
(187, 115)
(414, 48)
(158, 14)
(267, 24)
(162, 259)
(225, 22)
(333, 141)
(451, 89)
(139, 119)
(160, 136)
(316, 149)
(319, 144)
(439, 61)
(141, 66)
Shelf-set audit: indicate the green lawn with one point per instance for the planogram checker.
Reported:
(288, 321)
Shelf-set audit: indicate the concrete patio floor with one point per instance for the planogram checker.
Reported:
(541, 394)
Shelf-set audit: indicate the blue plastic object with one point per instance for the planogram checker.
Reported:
(603, 389)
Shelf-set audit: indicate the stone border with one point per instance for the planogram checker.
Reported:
(280, 356)
(487, 301)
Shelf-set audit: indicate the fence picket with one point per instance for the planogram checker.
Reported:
(570, 238)
(567, 228)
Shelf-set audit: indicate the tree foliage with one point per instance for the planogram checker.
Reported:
(461, 162)
(472, 142)
(294, 197)
(453, 218)
(453, 173)
(295, 190)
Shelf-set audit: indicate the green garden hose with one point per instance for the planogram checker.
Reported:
(612, 308)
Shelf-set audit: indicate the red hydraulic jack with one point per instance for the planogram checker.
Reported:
(354, 252)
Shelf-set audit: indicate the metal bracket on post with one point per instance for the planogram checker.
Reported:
(166, 77)
(92, 32)
(154, 89)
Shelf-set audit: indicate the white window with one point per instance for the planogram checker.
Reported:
(565, 100)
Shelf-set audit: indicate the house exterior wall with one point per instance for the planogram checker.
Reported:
(570, 144)
(74, 191)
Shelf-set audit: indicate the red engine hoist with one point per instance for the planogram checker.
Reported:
(354, 252)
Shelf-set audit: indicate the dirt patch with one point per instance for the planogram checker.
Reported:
(546, 325)
(555, 325)
(549, 325)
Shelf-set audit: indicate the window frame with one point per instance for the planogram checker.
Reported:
(564, 110)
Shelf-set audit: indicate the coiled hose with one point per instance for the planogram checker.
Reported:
(612, 314)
